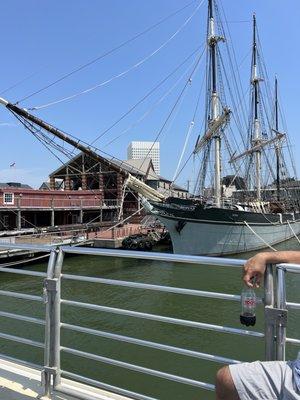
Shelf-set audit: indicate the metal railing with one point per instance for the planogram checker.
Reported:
(275, 304)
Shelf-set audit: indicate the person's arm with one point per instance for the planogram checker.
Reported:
(255, 267)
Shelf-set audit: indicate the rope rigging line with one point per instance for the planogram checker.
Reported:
(269, 101)
(188, 82)
(125, 72)
(182, 168)
(236, 173)
(234, 67)
(159, 101)
(235, 113)
(35, 132)
(293, 232)
(50, 142)
(202, 175)
(31, 127)
(145, 97)
(81, 67)
(237, 168)
(193, 174)
(93, 148)
(288, 140)
(20, 81)
(122, 199)
(269, 171)
(264, 71)
(189, 132)
(28, 125)
(121, 222)
(112, 159)
(187, 137)
(288, 143)
(259, 237)
(58, 148)
(105, 154)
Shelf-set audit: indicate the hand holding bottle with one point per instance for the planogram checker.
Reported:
(254, 270)
(248, 300)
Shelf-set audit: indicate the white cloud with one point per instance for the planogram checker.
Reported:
(33, 177)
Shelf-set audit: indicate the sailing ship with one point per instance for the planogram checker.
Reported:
(220, 224)
(217, 221)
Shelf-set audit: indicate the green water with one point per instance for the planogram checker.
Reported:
(217, 279)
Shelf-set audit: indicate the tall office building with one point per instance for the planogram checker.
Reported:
(137, 150)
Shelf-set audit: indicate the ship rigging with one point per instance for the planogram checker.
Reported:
(214, 221)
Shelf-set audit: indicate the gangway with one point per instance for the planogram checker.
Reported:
(57, 383)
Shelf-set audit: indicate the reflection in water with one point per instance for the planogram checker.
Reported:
(217, 279)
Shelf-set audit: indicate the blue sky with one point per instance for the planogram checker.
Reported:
(43, 40)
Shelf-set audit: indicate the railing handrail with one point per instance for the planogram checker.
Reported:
(289, 267)
(180, 258)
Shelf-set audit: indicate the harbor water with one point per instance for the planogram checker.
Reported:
(217, 279)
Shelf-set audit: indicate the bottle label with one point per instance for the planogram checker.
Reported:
(250, 302)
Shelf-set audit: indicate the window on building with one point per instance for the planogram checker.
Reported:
(8, 198)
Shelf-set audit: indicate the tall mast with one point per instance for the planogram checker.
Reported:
(218, 116)
(277, 145)
(212, 42)
(257, 131)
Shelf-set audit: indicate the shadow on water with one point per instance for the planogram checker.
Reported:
(217, 279)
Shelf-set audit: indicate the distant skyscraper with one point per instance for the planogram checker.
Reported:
(137, 150)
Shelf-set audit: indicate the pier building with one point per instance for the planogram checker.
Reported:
(79, 192)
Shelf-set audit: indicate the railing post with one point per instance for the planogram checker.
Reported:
(281, 304)
(46, 375)
(52, 295)
(269, 303)
(275, 317)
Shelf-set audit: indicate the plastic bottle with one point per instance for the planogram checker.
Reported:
(248, 299)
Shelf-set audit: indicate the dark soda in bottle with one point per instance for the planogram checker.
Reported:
(248, 299)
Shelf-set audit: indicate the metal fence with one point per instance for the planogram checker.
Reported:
(275, 304)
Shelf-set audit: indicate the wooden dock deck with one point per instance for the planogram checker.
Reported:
(106, 237)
